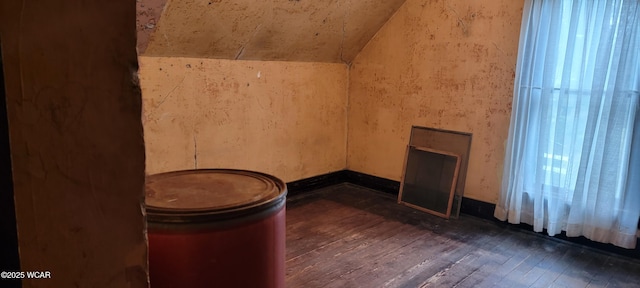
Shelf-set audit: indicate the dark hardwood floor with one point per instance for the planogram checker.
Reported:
(349, 236)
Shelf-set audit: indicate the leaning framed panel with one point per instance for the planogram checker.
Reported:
(455, 142)
(429, 180)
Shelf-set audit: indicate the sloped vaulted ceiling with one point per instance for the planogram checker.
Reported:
(270, 30)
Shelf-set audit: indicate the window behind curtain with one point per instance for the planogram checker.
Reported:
(568, 158)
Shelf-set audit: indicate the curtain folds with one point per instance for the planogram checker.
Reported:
(572, 159)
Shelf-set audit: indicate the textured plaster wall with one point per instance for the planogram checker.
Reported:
(445, 64)
(77, 148)
(283, 118)
(268, 30)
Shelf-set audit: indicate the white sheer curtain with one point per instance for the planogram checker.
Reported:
(572, 162)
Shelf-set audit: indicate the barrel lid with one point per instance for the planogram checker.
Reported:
(210, 190)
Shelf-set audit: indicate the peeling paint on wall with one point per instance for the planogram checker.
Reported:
(147, 17)
(445, 64)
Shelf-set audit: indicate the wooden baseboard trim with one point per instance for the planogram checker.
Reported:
(316, 182)
(469, 206)
(372, 182)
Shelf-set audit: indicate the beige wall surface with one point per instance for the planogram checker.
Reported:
(77, 148)
(282, 118)
(267, 30)
(441, 64)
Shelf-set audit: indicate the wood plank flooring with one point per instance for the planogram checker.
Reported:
(349, 236)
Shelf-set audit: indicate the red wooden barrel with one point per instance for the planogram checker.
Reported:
(216, 228)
